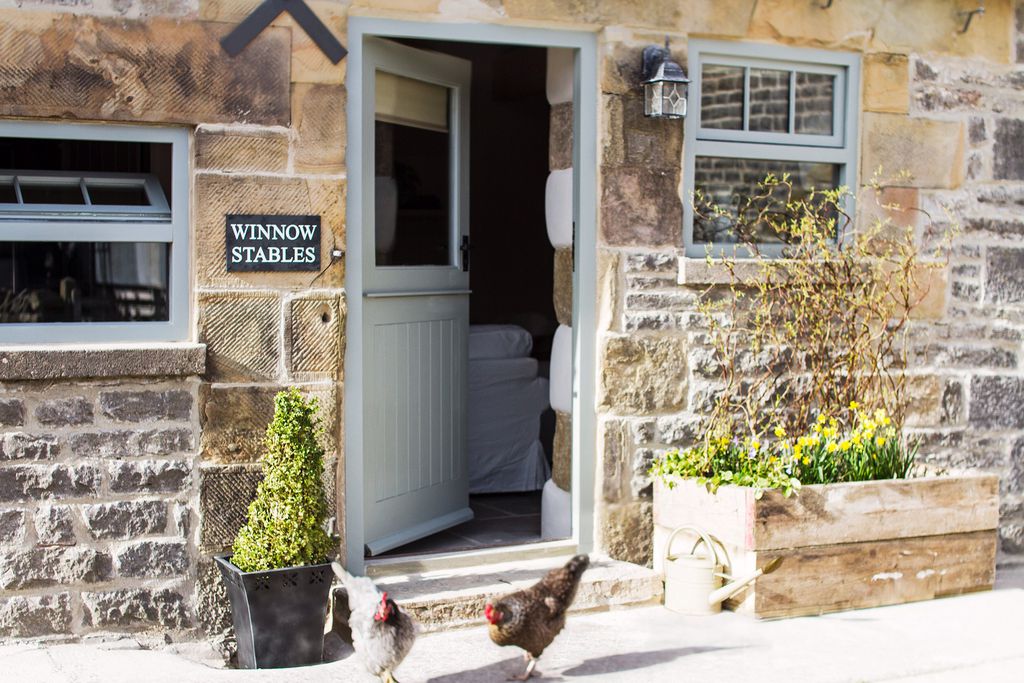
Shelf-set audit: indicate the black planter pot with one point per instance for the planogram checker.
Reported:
(278, 614)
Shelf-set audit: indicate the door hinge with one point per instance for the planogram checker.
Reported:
(464, 251)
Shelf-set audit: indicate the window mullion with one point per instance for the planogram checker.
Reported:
(792, 102)
(17, 191)
(746, 98)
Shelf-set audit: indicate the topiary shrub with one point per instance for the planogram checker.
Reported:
(286, 519)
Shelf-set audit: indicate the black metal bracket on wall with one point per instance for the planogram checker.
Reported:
(253, 25)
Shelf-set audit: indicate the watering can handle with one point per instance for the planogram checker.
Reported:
(703, 537)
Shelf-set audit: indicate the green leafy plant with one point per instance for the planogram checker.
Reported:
(286, 520)
(799, 337)
(861, 447)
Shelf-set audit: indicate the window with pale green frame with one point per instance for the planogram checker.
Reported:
(758, 110)
(93, 233)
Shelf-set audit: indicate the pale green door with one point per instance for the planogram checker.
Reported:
(416, 292)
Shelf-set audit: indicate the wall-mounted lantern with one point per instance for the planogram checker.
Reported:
(664, 84)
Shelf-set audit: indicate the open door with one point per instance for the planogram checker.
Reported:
(416, 293)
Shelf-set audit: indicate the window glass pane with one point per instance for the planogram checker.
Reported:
(50, 193)
(411, 193)
(83, 281)
(769, 101)
(7, 195)
(721, 97)
(815, 94)
(118, 195)
(727, 183)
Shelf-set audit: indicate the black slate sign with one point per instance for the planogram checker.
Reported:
(260, 243)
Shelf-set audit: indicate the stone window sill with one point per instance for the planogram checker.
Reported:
(78, 361)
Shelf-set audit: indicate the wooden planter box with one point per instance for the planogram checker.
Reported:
(845, 546)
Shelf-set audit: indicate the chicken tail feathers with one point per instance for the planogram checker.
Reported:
(341, 573)
(577, 565)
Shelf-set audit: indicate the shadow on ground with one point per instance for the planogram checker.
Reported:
(634, 660)
(597, 666)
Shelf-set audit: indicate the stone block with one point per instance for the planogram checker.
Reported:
(641, 487)
(886, 83)
(996, 402)
(224, 497)
(640, 206)
(561, 468)
(12, 412)
(12, 527)
(217, 195)
(157, 70)
(241, 333)
(64, 412)
(627, 532)
(53, 566)
(314, 334)
(1014, 480)
(1004, 275)
(560, 136)
(633, 139)
(136, 607)
(1008, 150)
(33, 616)
(615, 448)
(679, 431)
(153, 559)
(844, 24)
(309, 63)
(318, 118)
(997, 227)
(20, 483)
(643, 375)
(717, 17)
(213, 611)
(149, 476)
(235, 422)
(919, 27)
(54, 525)
(561, 294)
(242, 151)
(166, 441)
(142, 406)
(125, 519)
(21, 446)
(931, 152)
(924, 401)
(888, 212)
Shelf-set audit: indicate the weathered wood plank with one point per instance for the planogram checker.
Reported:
(824, 579)
(834, 513)
(158, 70)
(876, 510)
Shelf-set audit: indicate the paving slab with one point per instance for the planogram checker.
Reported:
(977, 637)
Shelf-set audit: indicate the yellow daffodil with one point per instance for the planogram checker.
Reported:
(780, 432)
(755, 444)
(854, 405)
(831, 447)
(797, 450)
(879, 441)
(822, 418)
(807, 461)
(844, 445)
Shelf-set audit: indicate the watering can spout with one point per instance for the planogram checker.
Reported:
(734, 587)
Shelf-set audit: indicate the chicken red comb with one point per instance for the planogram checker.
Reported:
(384, 597)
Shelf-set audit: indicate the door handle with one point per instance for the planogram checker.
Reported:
(464, 252)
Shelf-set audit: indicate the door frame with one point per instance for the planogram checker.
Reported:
(585, 139)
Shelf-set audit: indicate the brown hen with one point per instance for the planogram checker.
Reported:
(531, 618)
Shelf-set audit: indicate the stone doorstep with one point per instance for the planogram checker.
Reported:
(455, 598)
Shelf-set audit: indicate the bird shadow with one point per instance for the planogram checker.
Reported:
(496, 671)
(634, 660)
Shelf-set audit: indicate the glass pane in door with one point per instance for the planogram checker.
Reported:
(412, 144)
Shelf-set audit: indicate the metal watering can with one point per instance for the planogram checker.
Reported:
(693, 582)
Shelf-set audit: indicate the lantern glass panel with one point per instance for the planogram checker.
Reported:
(652, 99)
(674, 100)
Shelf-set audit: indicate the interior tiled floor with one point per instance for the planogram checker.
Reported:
(500, 519)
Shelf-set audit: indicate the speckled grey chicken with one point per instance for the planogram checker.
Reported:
(382, 633)
(531, 618)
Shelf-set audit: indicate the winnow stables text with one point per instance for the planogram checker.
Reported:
(270, 231)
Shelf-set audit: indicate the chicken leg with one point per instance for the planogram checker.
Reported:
(531, 662)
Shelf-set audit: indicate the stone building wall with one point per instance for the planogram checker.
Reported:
(269, 136)
(97, 480)
(949, 112)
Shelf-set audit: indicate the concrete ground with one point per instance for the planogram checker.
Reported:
(978, 637)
